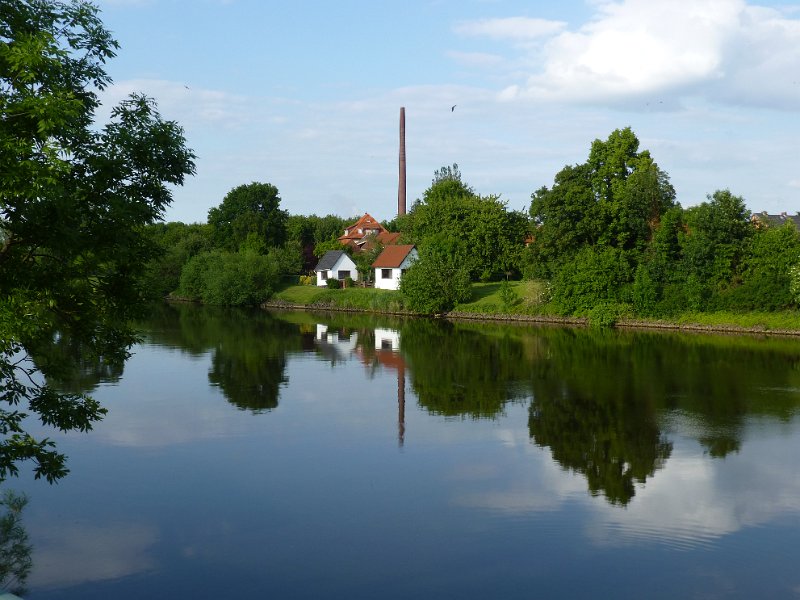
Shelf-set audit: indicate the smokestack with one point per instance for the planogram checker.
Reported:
(401, 184)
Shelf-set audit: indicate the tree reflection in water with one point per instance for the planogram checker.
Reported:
(249, 349)
(15, 551)
(601, 401)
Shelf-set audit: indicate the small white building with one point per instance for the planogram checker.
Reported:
(335, 264)
(392, 263)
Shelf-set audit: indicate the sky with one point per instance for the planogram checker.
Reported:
(306, 95)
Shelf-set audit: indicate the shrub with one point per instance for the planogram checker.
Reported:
(605, 314)
(332, 284)
(434, 284)
(507, 295)
(594, 276)
(229, 279)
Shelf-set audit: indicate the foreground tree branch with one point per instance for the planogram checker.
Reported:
(74, 199)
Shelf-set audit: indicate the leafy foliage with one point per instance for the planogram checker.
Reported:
(610, 234)
(176, 243)
(479, 232)
(249, 210)
(233, 278)
(435, 283)
(74, 200)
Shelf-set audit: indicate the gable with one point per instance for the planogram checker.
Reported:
(329, 260)
(392, 257)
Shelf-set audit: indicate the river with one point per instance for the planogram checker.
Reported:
(254, 454)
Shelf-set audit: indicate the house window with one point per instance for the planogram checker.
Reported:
(343, 275)
(323, 275)
(386, 273)
(403, 272)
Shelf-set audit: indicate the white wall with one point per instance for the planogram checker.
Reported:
(393, 283)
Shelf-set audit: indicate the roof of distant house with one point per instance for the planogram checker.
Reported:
(776, 220)
(364, 226)
(328, 260)
(393, 256)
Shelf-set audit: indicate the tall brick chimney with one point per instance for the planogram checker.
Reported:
(401, 184)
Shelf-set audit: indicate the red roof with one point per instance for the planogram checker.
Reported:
(361, 228)
(387, 238)
(393, 256)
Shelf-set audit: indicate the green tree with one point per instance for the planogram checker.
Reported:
(249, 210)
(74, 198)
(364, 258)
(486, 238)
(436, 282)
(769, 256)
(615, 199)
(597, 275)
(15, 549)
(714, 241)
(177, 243)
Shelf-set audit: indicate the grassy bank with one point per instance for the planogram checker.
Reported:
(528, 302)
(354, 298)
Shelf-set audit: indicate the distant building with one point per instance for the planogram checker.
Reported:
(364, 232)
(763, 219)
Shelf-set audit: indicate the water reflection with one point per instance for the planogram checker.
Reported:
(248, 349)
(602, 403)
(459, 371)
(521, 445)
(15, 551)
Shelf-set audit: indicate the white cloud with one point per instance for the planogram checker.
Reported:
(76, 553)
(725, 50)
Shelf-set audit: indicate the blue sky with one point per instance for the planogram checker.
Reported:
(306, 95)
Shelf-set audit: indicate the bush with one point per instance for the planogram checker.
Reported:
(229, 279)
(507, 295)
(332, 284)
(606, 314)
(595, 276)
(434, 284)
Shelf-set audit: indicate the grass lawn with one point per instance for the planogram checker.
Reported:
(768, 321)
(530, 300)
(301, 294)
(356, 298)
(486, 299)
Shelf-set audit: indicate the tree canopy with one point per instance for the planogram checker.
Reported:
(249, 210)
(478, 232)
(615, 199)
(74, 198)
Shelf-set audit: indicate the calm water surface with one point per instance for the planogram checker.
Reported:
(291, 455)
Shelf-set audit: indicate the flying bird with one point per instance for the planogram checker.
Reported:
(452, 108)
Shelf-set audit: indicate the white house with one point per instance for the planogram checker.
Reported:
(335, 264)
(392, 263)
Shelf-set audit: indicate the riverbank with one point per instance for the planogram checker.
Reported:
(487, 306)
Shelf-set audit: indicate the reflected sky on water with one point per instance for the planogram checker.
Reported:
(292, 455)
